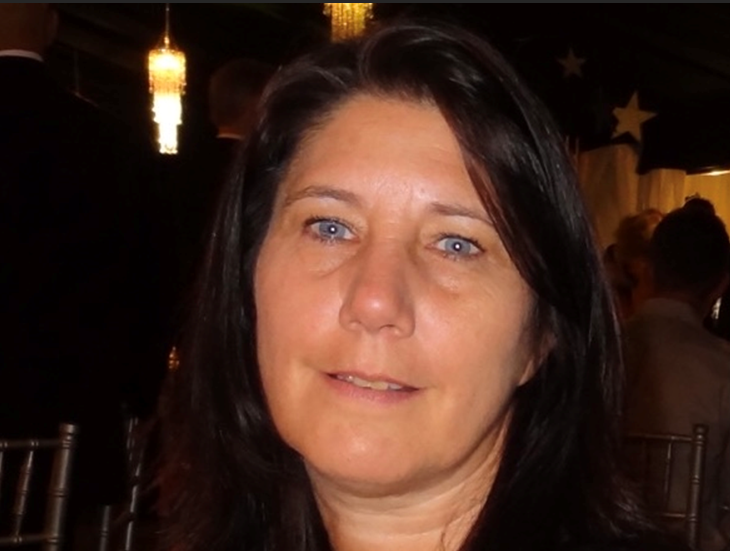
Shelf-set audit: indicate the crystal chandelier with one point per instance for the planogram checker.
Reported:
(166, 66)
(348, 20)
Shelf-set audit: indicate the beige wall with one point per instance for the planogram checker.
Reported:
(612, 188)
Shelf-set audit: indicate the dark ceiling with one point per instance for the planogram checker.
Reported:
(677, 56)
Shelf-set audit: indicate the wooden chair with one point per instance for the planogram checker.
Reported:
(669, 470)
(61, 448)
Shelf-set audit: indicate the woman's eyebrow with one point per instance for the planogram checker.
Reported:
(454, 209)
(326, 192)
(322, 192)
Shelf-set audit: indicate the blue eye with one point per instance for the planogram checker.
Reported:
(458, 246)
(330, 230)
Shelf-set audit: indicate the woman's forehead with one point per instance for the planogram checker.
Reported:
(386, 141)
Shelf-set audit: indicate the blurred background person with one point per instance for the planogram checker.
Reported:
(678, 373)
(628, 263)
(81, 338)
(234, 90)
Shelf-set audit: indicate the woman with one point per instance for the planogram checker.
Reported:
(632, 279)
(403, 339)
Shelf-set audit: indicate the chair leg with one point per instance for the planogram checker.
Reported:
(105, 527)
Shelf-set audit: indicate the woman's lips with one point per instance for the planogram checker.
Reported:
(375, 383)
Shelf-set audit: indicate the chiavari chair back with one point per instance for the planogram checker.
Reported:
(669, 472)
(28, 455)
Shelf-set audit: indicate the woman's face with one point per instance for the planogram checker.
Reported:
(393, 328)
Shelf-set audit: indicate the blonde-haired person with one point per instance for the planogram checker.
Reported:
(632, 279)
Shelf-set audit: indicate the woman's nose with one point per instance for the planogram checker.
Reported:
(379, 292)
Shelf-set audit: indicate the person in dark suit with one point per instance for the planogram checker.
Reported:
(76, 336)
(234, 90)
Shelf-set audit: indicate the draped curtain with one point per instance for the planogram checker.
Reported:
(613, 189)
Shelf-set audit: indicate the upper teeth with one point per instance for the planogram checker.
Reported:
(373, 385)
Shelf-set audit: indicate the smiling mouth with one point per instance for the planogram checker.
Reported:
(371, 385)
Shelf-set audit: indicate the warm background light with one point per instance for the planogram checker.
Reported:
(166, 67)
(348, 20)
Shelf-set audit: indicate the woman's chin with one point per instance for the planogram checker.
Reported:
(362, 481)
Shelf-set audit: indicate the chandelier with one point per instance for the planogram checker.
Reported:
(166, 66)
(348, 20)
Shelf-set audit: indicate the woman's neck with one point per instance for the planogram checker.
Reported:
(435, 520)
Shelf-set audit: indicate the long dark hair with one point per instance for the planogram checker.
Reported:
(232, 482)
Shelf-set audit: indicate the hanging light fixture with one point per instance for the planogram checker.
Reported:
(166, 66)
(348, 20)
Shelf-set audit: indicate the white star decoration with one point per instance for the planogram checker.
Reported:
(572, 64)
(630, 118)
